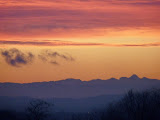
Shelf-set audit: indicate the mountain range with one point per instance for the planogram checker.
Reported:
(76, 88)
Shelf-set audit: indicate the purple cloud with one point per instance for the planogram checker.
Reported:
(16, 58)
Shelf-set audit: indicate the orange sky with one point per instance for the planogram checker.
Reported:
(86, 39)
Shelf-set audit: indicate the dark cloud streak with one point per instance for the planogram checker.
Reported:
(70, 43)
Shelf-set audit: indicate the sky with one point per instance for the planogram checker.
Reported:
(49, 40)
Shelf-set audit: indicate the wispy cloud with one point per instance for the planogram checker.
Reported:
(16, 58)
(52, 56)
(54, 62)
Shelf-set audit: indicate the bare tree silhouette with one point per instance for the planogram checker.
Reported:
(38, 110)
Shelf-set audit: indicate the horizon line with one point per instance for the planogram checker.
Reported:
(80, 80)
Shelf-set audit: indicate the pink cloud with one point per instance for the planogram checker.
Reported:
(29, 18)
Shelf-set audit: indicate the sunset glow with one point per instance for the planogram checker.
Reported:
(45, 40)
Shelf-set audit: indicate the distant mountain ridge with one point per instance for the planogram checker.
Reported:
(75, 88)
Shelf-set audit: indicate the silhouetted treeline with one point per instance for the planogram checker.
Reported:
(134, 105)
